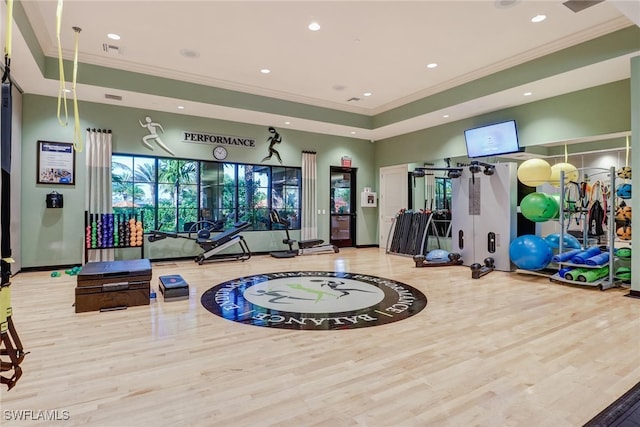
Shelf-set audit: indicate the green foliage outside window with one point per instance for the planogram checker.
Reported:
(173, 194)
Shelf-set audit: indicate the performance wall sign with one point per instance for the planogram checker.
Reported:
(210, 138)
(314, 300)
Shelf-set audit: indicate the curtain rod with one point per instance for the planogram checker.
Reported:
(308, 152)
(99, 130)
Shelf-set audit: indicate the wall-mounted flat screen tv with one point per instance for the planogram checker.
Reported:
(492, 140)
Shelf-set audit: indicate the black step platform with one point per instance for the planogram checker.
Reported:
(173, 287)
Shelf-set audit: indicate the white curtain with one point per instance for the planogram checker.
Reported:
(98, 183)
(309, 196)
(429, 191)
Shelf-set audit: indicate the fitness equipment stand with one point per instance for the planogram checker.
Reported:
(305, 247)
(212, 246)
(421, 261)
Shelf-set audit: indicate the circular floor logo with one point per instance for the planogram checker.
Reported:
(314, 300)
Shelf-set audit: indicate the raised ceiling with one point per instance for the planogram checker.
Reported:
(377, 47)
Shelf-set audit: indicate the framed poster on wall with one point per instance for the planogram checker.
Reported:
(56, 163)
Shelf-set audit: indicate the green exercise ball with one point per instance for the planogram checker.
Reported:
(556, 200)
(538, 207)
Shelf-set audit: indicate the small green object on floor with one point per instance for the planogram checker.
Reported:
(55, 274)
(73, 271)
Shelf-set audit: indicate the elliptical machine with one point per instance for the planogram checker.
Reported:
(305, 247)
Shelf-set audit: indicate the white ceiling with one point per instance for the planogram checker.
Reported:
(382, 47)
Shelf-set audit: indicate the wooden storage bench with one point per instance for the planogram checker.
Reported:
(113, 285)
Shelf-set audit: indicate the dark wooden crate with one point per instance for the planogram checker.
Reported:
(111, 296)
(110, 285)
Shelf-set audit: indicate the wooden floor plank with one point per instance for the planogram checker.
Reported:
(505, 350)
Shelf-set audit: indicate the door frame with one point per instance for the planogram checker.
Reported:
(393, 196)
(351, 242)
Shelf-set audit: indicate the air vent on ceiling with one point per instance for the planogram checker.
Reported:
(110, 49)
(354, 99)
(114, 97)
(580, 5)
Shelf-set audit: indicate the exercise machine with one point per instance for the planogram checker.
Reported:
(305, 247)
(200, 232)
(484, 218)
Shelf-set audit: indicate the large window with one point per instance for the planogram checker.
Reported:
(173, 194)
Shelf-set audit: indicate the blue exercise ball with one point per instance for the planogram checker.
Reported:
(530, 252)
(437, 255)
(568, 241)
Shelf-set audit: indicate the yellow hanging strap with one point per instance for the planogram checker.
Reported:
(7, 41)
(566, 154)
(61, 93)
(77, 137)
(626, 160)
(5, 308)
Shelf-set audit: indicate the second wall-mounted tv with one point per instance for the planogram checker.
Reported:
(492, 140)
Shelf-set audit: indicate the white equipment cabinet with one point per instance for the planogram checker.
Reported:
(483, 214)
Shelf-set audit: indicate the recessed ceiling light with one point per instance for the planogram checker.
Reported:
(538, 18)
(180, 107)
(446, 116)
(367, 94)
(501, 4)
(432, 65)
(527, 94)
(314, 26)
(265, 71)
(353, 132)
(113, 36)
(67, 90)
(287, 123)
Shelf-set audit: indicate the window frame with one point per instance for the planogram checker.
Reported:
(151, 221)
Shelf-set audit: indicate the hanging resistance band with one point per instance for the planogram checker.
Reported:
(77, 136)
(62, 94)
(10, 344)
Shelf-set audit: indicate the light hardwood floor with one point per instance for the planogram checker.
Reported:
(504, 350)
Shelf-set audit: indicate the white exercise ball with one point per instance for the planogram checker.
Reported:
(570, 173)
(534, 172)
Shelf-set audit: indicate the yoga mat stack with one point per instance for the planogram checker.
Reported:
(574, 273)
(583, 256)
(599, 259)
(591, 258)
(566, 256)
(591, 275)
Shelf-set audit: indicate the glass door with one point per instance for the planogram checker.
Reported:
(343, 206)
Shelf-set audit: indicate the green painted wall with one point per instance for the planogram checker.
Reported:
(596, 111)
(55, 236)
